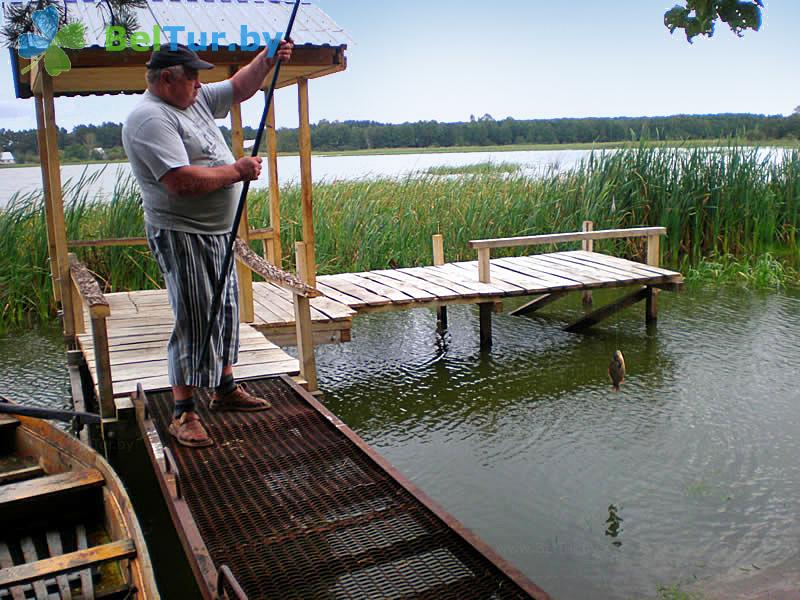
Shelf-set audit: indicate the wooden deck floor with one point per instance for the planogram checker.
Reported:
(457, 283)
(141, 321)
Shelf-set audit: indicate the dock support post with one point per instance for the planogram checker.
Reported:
(103, 365)
(302, 317)
(244, 275)
(587, 246)
(304, 132)
(438, 260)
(486, 309)
(653, 259)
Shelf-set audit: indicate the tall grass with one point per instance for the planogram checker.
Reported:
(729, 210)
(714, 202)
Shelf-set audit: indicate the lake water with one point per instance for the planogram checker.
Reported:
(323, 168)
(528, 446)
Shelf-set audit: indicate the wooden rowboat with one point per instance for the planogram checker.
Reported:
(67, 526)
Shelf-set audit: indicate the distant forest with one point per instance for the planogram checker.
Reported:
(98, 142)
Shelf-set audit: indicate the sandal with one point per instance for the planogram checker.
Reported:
(239, 400)
(188, 431)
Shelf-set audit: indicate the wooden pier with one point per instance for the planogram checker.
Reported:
(130, 330)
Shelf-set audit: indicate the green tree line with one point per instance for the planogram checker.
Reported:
(83, 141)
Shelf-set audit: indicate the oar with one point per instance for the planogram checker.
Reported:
(223, 276)
(9, 408)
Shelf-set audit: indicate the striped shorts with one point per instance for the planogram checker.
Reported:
(191, 264)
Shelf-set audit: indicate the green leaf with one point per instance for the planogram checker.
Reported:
(71, 36)
(56, 61)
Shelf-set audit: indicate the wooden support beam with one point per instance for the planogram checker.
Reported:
(485, 309)
(57, 205)
(303, 324)
(587, 246)
(537, 303)
(243, 274)
(272, 251)
(607, 311)
(41, 141)
(438, 260)
(306, 193)
(104, 243)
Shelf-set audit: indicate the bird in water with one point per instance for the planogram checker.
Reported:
(616, 370)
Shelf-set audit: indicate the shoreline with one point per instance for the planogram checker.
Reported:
(789, 144)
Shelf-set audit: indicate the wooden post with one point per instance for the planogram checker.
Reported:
(438, 260)
(103, 366)
(57, 205)
(653, 259)
(77, 303)
(244, 275)
(302, 317)
(587, 246)
(305, 181)
(41, 140)
(274, 252)
(485, 309)
(484, 265)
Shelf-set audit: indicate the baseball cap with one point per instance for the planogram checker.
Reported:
(180, 55)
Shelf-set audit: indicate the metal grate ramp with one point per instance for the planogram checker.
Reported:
(299, 507)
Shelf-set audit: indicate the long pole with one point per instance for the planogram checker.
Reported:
(223, 276)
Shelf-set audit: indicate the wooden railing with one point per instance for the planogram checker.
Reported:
(484, 247)
(87, 293)
(301, 292)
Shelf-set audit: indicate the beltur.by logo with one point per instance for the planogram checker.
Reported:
(144, 41)
(47, 44)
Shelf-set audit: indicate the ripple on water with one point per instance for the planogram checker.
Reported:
(529, 446)
(33, 368)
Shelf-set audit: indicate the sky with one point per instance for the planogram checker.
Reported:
(445, 60)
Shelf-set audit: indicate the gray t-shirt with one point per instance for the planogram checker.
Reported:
(159, 137)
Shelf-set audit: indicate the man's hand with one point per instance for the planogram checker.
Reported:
(248, 168)
(284, 53)
(249, 79)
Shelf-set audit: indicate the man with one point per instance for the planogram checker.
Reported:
(190, 186)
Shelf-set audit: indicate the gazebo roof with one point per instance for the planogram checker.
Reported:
(319, 43)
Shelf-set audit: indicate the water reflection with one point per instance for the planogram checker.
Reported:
(529, 447)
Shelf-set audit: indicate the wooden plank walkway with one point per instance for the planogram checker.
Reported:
(458, 283)
(139, 355)
(140, 322)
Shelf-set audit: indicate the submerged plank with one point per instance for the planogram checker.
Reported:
(607, 311)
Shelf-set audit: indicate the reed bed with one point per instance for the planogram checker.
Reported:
(732, 214)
